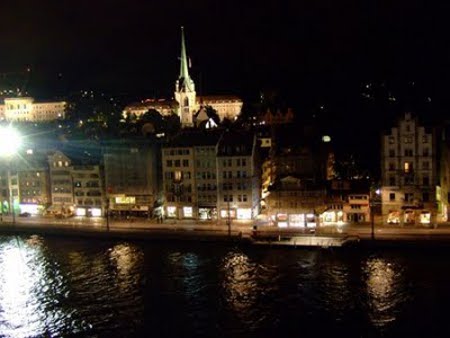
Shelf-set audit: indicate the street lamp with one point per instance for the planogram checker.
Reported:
(11, 143)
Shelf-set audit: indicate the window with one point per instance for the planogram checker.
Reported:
(426, 180)
(392, 181)
(426, 152)
(408, 139)
(177, 163)
(408, 167)
(244, 162)
(169, 163)
(185, 163)
(228, 198)
(238, 162)
(177, 176)
(391, 140)
(392, 196)
(409, 197)
(426, 197)
(425, 139)
(425, 165)
(391, 153)
(391, 166)
(408, 152)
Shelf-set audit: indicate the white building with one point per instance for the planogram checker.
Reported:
(25, 109)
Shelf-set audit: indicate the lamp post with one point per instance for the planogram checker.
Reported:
(228, 218)
(107, 214)
(12, 141)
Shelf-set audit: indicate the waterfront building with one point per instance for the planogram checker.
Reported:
(349, 201)
(409, 173)
(294, 202)
(88, 191)
(33, 183)
(443, 188)
(60, 184)
(76, 185)
(211, 174)
(131, 172)
(190, 175)
(238, 176)
(26, 109)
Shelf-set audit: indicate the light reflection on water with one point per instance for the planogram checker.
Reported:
(30, 292)
(58, 287)
(386, 289)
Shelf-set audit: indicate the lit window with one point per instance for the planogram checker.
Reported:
(407, 167)
(177, 175)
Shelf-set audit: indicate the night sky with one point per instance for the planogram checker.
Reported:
(314, 52)
(239, 46)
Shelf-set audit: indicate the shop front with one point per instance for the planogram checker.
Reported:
(287, 220)
(207, 213)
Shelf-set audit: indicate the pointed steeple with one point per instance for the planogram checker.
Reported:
(184, 80)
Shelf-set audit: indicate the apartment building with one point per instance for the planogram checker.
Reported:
(409, 173)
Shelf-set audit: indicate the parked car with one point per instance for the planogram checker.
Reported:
(24, 214)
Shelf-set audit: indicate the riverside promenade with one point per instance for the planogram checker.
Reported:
(137, 229)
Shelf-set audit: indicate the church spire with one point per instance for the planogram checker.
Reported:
(184, 79)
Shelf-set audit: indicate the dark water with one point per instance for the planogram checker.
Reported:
(53, 287)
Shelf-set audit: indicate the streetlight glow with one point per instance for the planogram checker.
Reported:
(10, 141)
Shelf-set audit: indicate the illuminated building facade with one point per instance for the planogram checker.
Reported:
(238, 176)
(61, 184)
(211, 174)
(25, 109)
(33, 184)
(190, 175)
(409, 173)
(295, 203)
(89, 198)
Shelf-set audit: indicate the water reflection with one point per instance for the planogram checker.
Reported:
(386, 290)
(248, 287)
(30, 291)
(128, 260)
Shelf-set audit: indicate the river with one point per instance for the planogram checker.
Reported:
(57, 287)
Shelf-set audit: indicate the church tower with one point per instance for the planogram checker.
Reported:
(185, 89)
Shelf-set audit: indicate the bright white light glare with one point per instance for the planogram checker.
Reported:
(326, 138)
(10, 141)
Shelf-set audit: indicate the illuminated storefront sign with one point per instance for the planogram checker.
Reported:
(125, 200)
(171, 211)
(187, 212)
(224, 213)
(297, 220)
(33, 209)
(80, 211)
(425, 217)
(244, 213)
(96, 212)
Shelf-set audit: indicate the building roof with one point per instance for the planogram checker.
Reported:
(236, 143)
(211, 98)
(195, 138)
